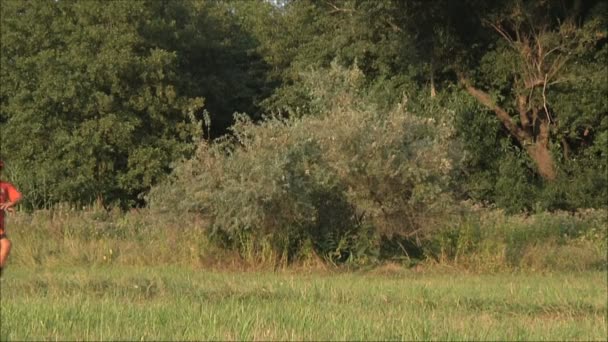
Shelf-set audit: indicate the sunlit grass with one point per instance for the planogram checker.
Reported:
(97, 275)
(164, 303)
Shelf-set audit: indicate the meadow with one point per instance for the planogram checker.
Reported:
(93, 275)
(390, 303)
(305, 170)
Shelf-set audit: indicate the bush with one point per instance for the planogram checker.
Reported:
(340, 177)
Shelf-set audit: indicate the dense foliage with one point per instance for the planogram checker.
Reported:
(527, 80)
(100, 99)
(287, 182)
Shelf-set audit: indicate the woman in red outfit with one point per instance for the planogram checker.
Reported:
(9, 196)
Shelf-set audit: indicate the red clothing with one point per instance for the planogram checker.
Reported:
(8, 192)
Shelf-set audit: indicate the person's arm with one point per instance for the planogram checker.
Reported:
(14, 196)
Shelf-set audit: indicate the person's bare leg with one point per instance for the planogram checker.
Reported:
(5, 249)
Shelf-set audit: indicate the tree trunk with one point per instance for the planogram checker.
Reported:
(433, 90)
(543, 159)
(537, 146)
(540, 153)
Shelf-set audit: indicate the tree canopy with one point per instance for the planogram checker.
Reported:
(99, 99)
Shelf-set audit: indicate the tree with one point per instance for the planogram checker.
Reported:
(216, 55)
(538, 67)
(539, 49)
(90, 107)
(307, 34)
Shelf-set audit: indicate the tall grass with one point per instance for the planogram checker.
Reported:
(94, 236)
(488, 240)
(479, 240)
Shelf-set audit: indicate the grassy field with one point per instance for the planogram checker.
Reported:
(390, 303)
(97, 275)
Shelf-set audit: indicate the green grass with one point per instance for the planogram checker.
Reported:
(97, 275)
(171, 303)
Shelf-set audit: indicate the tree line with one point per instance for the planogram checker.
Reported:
(101, 99)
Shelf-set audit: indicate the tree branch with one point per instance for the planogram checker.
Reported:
(393, 26)
(338, 9)
(545, 99)
(502, 32)
(522, 107)
(484, 98)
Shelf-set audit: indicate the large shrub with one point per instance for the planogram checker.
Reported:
(338, 177)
